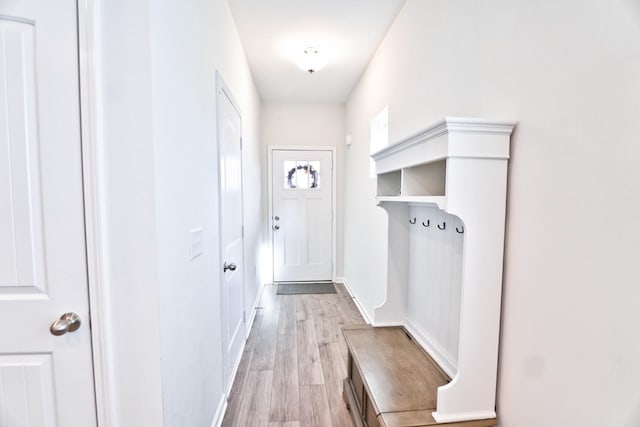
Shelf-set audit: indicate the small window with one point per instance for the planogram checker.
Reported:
(301, 174)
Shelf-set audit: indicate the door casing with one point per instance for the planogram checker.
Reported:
(94, 205)
(333, 150)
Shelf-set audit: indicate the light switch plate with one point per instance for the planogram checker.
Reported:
(196, 242)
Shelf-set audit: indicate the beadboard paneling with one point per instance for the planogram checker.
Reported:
(435, 266)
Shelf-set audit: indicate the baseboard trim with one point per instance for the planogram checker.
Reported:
(386, 324)
(252, 315)
(353, 296)
(234, 372)
(219, 416)
(222, 407)
(248, 326)
(464, 416)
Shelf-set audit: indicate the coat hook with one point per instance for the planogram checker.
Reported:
(427, 224)
(461, 230)
(412, 221)
(444, 225)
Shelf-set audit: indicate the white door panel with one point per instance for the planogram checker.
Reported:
(21, 243)
(302, 223)
(45, 380)
(26, 386)
(230, 163)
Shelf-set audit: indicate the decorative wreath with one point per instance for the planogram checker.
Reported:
(307, 169)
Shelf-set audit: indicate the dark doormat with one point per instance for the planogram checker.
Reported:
(305, 288)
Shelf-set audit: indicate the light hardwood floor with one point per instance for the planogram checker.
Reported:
(294, 362)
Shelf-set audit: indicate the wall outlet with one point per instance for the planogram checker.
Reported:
(196, 242)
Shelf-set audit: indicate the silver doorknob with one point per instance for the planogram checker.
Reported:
(68, 322)
(230, 266)
(276, 227)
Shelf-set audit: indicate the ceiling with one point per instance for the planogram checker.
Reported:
(347, 32)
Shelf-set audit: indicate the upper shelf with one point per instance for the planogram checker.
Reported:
(437, 201)
(448, 138)
(423, 167)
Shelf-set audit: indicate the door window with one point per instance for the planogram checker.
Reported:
(301, 174)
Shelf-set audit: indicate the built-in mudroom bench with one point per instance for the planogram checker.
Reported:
(431, 356)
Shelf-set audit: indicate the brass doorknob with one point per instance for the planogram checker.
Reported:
(68, 322)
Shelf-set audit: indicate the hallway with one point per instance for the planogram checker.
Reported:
(113, 206)
(294, 362)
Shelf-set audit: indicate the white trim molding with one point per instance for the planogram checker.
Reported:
(355, 300)
(252, 315)
(93, 182)
(439, 141)
(220, 411)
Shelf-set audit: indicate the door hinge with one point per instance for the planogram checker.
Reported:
(241, 143)
(242, 230)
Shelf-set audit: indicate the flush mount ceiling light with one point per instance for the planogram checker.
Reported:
(311, 60)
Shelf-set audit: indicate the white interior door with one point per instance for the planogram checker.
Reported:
(302, 215)
(230, 163)
(45, 380)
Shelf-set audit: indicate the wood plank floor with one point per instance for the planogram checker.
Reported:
(294, 362)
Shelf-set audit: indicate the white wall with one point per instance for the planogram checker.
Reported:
(567, 71)
(306, 125)
(158, 64)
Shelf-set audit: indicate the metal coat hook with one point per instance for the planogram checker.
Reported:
(462, 229)
(427, 224)
(412, 221)
(444, 225)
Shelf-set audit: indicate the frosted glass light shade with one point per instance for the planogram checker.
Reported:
(311, 60)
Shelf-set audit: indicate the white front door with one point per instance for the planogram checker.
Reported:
(45, 379)
(230, 163)
(302, 215)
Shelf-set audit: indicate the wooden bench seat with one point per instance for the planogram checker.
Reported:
(391, 381)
